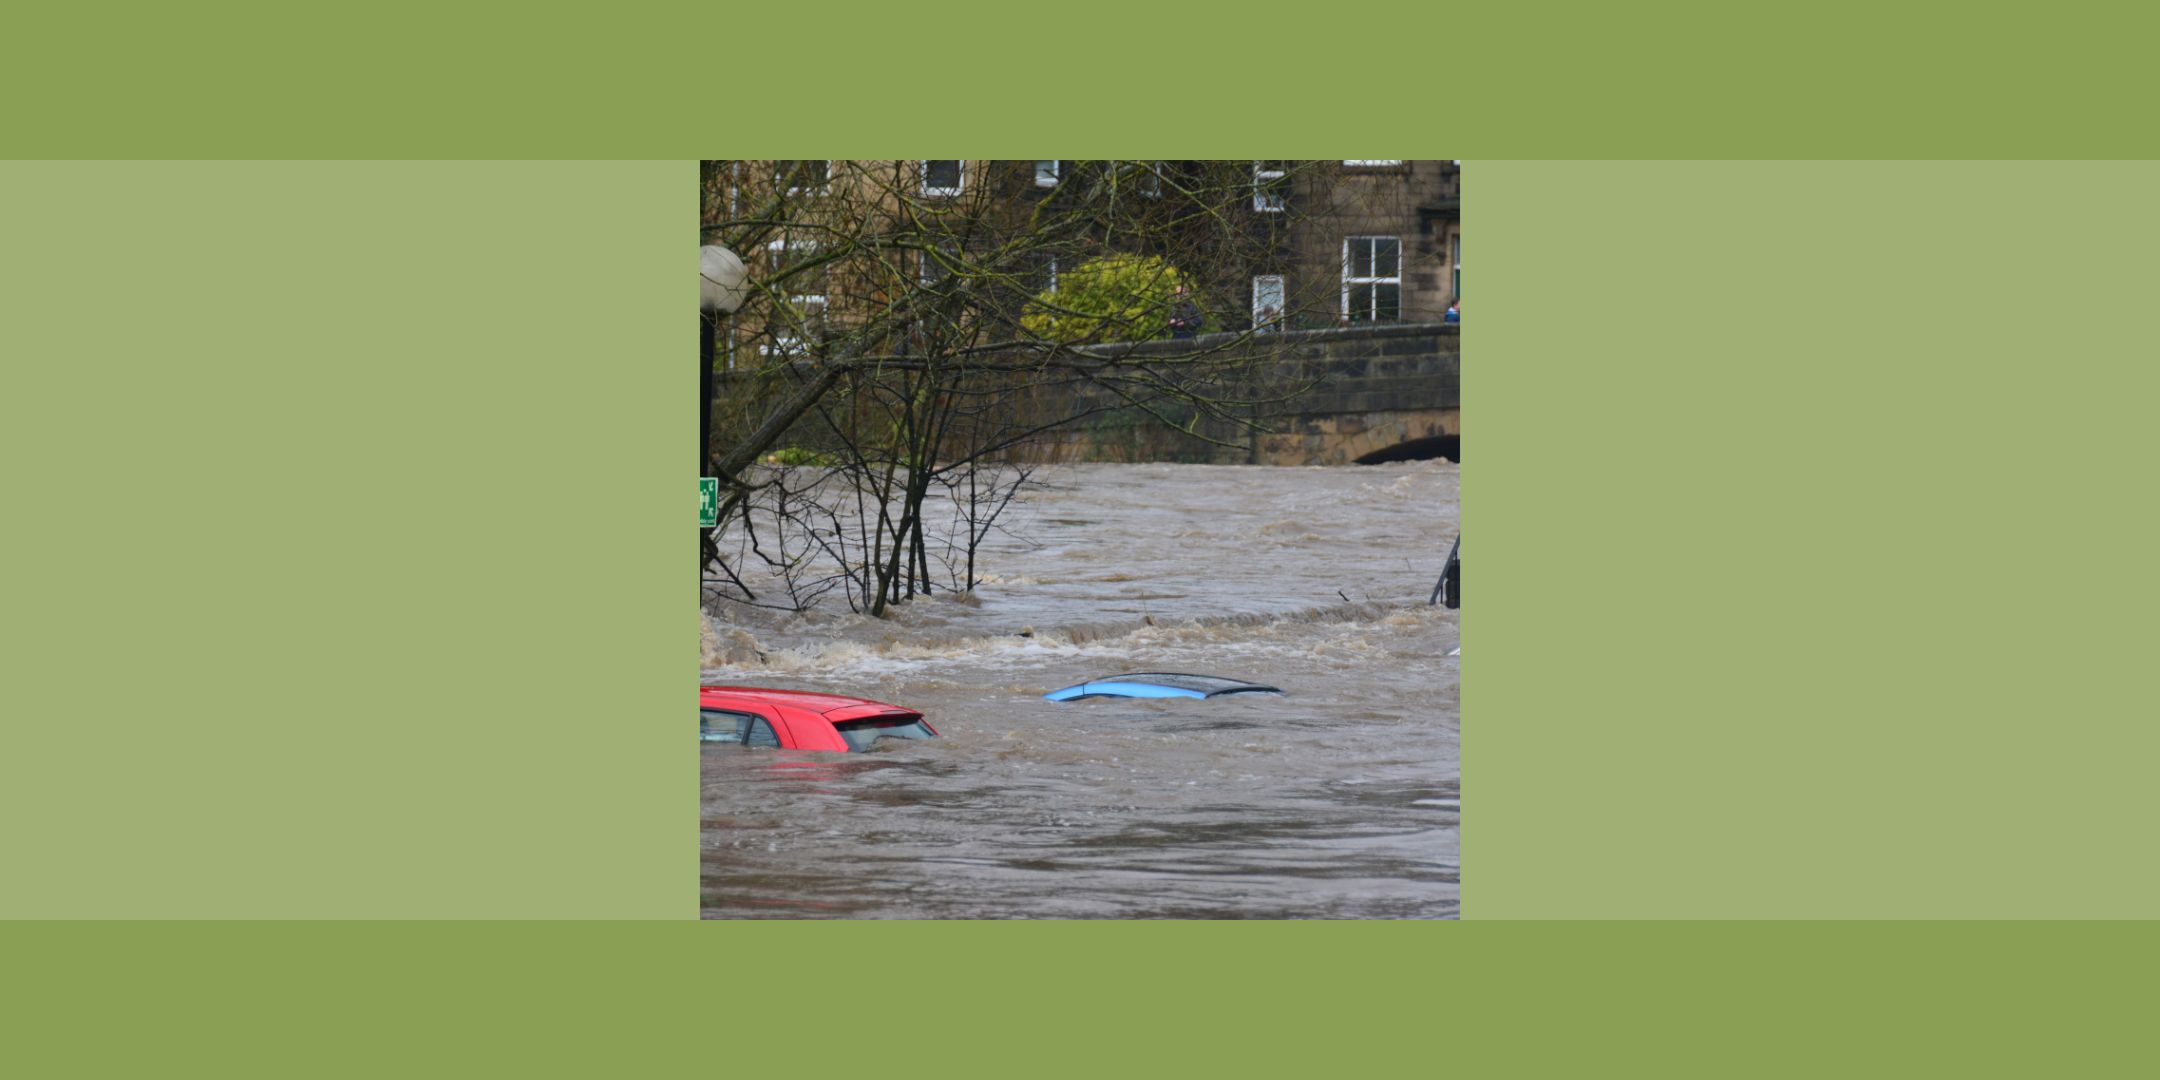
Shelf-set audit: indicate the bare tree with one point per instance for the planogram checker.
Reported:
(909, 315)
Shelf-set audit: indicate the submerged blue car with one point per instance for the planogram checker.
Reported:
(1159, 684)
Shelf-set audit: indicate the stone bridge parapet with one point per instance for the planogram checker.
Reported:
(1320, 397)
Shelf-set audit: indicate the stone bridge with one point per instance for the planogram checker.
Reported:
(1355, 394)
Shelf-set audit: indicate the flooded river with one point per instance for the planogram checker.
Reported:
(1339, 800)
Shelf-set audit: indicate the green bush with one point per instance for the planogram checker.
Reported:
(1113, 298)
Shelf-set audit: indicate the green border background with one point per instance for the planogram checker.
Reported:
(1811, 493)
(1664, 78)
(346, 581)
(1811, 540)
(1086, 999)
(348, 540)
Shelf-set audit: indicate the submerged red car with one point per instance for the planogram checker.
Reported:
(801, 719)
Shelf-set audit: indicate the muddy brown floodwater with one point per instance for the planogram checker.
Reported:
(1339, 800)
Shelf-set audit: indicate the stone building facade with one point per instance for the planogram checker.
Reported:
(1332, 243)
(1376, 241)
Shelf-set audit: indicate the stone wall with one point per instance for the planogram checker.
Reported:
(1351, 392)
(1325, 397)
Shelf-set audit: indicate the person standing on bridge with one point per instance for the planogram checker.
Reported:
(1184, 316)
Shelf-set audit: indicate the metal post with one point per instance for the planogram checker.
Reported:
(1448, 589)
(708, 329)
(708, 324)
(721, 279)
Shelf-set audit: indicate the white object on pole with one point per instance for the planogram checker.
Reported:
(721, 277)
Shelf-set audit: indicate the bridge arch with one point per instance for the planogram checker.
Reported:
(1425, 449)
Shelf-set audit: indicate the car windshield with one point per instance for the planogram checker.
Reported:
(861, 733)
(1204, 684)
(1159, 684)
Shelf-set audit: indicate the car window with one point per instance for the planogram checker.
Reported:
(1158, 684)
(719, 725)
(861, 733)
(761, 733)
(1205, 684)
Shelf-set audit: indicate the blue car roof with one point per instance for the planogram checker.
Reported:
(1158, 684)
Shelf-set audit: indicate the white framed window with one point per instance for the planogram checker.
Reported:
(1372, 278)
(806, 295)
(802, 177)
(1267, 302)
(1270, 182)
(804, 287)
(943, 178)
(1455, 287)
(782, 341)
(1046, 174)
(1050, 276)
(937, 265)
(1372, 164)
(1147, 177)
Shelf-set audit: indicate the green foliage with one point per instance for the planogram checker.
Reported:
(1113, 298)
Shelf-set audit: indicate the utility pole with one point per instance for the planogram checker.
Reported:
(721, 278)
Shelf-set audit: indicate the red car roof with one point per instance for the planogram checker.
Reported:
(823, 704)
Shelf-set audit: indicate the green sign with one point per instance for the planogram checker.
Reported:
(708, 501)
